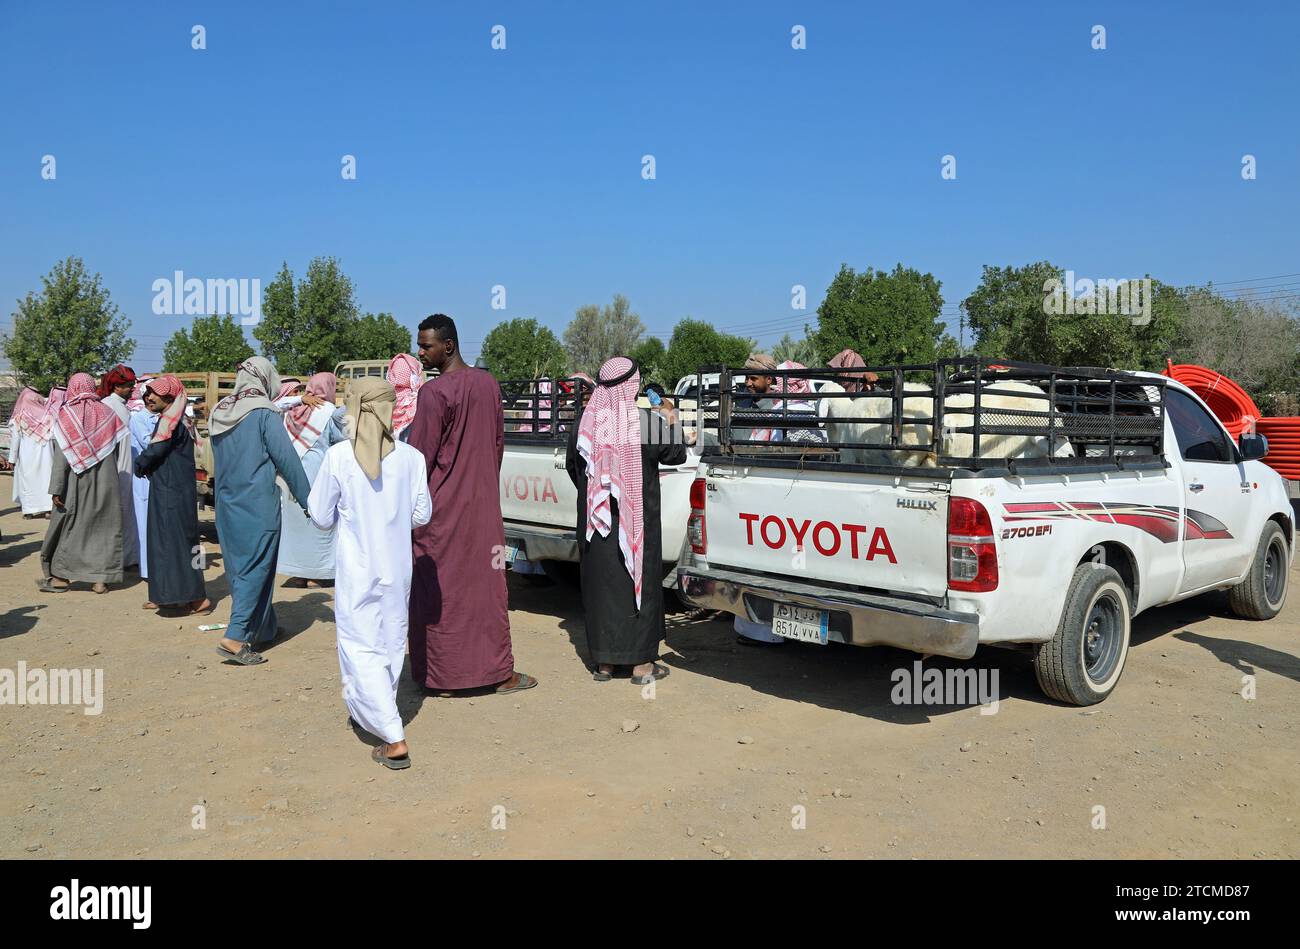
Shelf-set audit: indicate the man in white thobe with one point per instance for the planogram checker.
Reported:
(30, 452)
(32, 460)
(375, 489)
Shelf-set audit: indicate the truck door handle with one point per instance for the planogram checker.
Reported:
(1196, 487)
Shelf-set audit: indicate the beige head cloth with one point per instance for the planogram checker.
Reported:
(370, 421)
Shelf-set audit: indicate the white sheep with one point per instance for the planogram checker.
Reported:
(953, 444)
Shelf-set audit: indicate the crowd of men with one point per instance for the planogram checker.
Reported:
(391, 498)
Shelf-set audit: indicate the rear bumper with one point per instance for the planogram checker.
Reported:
(872, 620)
(543, 543)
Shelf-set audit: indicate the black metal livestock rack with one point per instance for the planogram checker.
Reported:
(1111, 419)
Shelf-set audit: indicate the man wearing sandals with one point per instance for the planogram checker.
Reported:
(84, 539)
(460, 624)
(613, 458)
(175, 572)
(250, 447)
(374, 490)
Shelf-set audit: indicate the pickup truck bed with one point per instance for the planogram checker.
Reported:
(1153, 502)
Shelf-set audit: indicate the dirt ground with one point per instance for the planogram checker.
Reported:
(192, 758)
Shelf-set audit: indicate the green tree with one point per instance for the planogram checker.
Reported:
(376, 336)
(308, 328)
(695, 343)
(802, 351)
(1019, 313)
(72, 325)
(212, 344)
(887, 317)
(600, 333)
(1254, 343)
(279, 317)
(649, 355)
(523, 349)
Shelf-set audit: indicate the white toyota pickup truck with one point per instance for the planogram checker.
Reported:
(1053, 506)
(539, 504)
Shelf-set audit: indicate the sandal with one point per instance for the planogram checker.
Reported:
(245, 656)
(598, 676)
(525, 682)
(45, 586)
(656, 672)
(393, 764)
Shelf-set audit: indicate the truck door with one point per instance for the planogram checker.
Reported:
(1216, 545)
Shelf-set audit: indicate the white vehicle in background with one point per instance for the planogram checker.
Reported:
(539, 504)
(1052, 506)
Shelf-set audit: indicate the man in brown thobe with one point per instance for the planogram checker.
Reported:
(459, 619)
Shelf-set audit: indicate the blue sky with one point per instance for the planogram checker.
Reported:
(522, 167)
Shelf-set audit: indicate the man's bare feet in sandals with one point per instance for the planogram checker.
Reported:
(148, 605)
(517, 682)
(99, 587)
(394, 756)
(200, 607)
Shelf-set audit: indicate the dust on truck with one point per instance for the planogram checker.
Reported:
(966, 502)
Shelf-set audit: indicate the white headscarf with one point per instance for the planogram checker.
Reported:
(256, 380)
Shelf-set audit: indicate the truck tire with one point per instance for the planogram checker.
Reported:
(1082, 663)
(1262, 593)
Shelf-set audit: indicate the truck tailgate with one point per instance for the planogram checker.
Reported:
(535, 487)
(868, 530)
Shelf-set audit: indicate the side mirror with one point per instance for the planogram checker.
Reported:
(1252, 447)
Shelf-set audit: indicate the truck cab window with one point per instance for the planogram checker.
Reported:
(1199, 437)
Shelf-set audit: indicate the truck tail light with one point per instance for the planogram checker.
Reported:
(696, 532)
(972, 555)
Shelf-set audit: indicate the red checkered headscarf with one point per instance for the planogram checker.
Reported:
(609, 440)
(87, 430)
(119, 375)
(34, 413)
(296, 419)
(406, 377)
(174, 413)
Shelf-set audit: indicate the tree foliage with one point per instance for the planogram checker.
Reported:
(696, 343)
(71, 326)
(1010, 318)
(600, 333)
(308, 328)
(887, 317)
(212, 344)
(1256, 344)
(376, 336)
(802, 351)
(649, 355)
(523, 349)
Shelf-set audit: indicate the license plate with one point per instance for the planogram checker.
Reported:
(799, 622)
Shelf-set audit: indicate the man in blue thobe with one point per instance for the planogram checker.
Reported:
(250, 446)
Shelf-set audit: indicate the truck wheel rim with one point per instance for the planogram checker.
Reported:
(1274, 573)
(1102, 638)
